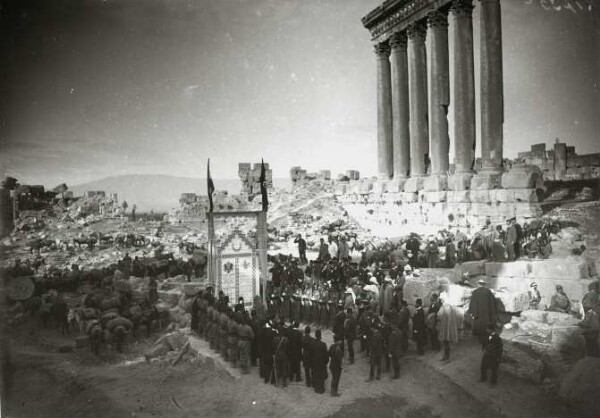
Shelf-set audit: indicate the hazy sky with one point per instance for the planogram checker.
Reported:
(104, 87)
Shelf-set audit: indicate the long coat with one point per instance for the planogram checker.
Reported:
(385, 298)
(448, 323)
(319, 357)
(483, 309)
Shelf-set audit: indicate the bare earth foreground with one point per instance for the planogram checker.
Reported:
(39, 380)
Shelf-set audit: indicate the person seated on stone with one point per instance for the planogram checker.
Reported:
(560, 301)
(591, 300)
(534, 297)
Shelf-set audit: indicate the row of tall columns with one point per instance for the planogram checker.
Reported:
(413, 130)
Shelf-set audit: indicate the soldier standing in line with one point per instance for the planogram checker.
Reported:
(319, 358)
(245, 338)
(335, 364)
(395, 349)
(376, 349)
(295, 337)
(350, 333)
(281, 347)
(307, 343)
(419, 327)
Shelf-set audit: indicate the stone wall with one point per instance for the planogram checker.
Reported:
(395, 214)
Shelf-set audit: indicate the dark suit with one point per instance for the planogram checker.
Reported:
(335, 365)
(307, 342)
(295, 337)
(319, 358)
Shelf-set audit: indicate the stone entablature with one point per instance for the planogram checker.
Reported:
(398, 15)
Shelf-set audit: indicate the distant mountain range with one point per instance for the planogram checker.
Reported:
(160, 192)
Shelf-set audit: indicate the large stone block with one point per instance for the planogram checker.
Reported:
(509, 269)
(340, 189)
(460, 181)
(396, 185)
(432, 197)
(524, 195)
(521, 363)
(474, 268)
(523, 177)
(407, 197)
(504, 195)
(421, 288)
(581, 386)
(435, 183)
(480, 196)
(365, 187)
(414, 184)
(380, 186)
(460, 196)
(513, 301)
(571, 268)
(486, 181)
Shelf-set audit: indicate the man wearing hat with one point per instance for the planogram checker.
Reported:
(295, 337)
(336, 352)
(512, 237)
(492, 354)
(376, 350)
(386, 295)
(350, 333)
(482, 309)
(560, 302)
(319, 358)
(534, 297)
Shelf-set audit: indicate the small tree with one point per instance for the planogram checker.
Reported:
(125, 205)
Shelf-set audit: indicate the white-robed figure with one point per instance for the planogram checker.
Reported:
(448, 321)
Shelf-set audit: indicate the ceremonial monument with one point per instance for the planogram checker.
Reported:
(413, 141)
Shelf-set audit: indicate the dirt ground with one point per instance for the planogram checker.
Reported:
(40, 380)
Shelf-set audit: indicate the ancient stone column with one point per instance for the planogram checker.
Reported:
(384, 112)
(417, 76)
(492, 95)
(439, 83)
(400, 110)
(464, 96)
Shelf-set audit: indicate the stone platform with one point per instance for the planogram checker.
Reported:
(393, 214)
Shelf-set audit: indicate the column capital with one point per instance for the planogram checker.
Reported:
(462, 8)
(398, 40)
(438, 19)
(417, 31)
(382, 49)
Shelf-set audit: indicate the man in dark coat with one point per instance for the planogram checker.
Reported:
(376, 349)
(335, 364)
(307, 343)
(395, 349)
(350, 333)
(492, 354)
(419, 327)
(281, 348)
(403, 319)
(301, 248)
(338, 328)
(265, 346)
(319, 358)
(483, 310)
(295, 337)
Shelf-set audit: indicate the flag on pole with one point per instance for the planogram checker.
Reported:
(210, 187)
(263, 187)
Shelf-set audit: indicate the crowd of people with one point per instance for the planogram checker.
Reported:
(380, 326)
